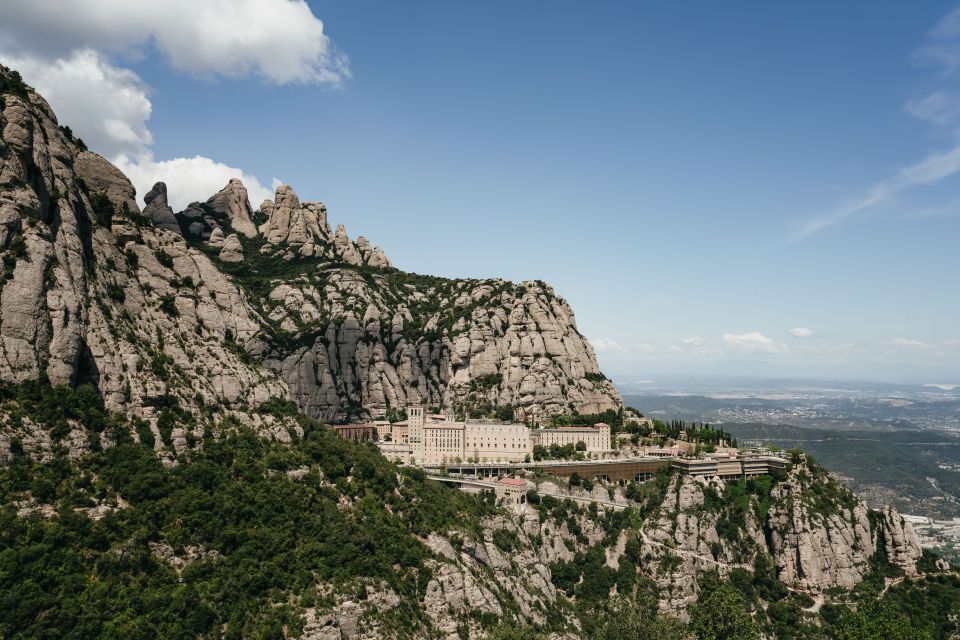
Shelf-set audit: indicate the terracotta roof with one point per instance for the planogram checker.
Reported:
(517, 482)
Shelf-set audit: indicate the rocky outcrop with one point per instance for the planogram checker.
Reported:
(455, 343)
(45, 245)
(97, 293)
(157, 209)
(300, 227)
(683, 541)
(232, 250)
(900, 542)
(825, 539)
(817, 550)
(232, 203)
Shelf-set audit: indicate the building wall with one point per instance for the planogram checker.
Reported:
(596, 439)
(442, 443)
(497, 442)
(415, 423)
(395, 452)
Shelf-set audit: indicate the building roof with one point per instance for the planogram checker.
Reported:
(516, 482)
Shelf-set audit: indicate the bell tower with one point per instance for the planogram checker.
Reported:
(415, 421)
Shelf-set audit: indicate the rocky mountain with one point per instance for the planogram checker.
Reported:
(163, 474)
(223, 303)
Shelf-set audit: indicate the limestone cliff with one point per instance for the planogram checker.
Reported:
(223, 304)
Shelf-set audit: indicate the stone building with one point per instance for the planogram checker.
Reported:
(511, 493)
(596, 438)
(356, 432)
(435, 439)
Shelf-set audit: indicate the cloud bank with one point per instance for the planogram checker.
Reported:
(68, 51)
(278, 40)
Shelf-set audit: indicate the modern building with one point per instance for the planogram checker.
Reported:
(729, 467)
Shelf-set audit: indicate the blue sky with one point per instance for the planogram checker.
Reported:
(697, 179)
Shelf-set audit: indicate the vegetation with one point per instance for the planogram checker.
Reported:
(721, 613)
(260, 539)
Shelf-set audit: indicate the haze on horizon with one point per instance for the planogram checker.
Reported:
(762, 190)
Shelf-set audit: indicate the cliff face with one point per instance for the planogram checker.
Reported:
(815, 534)
(558, 553)
(223, 304)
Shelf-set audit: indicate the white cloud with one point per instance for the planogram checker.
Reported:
(906, 343)
(692, 341)
(753, 341)
(104, 104)
(935, 167)
(941, 107)
(801, 332)
(60, 49)
(189, 179)
(280, 40)
(606, 345)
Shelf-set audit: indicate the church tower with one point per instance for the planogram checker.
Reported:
(415, 421)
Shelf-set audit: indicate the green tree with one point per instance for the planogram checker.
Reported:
(721, 613)
(627, 621)
(876, 619)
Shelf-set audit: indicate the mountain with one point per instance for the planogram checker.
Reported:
(234, 305)
(164, 472)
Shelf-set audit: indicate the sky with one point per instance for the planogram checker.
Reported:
(742, 188)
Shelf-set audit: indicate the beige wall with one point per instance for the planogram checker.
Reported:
(442, 442)
(596, 439)
(497, 442)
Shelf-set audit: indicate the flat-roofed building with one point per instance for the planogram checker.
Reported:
(396, 452)
(659, 452)
(761, 465)
(384, 429)
(596, 438)
(729, 468)
(356, 432)
(497, 442)
(696, 466)
(442, 443)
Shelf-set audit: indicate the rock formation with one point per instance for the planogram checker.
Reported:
(232, 202)
(93, 287)
(157, 209)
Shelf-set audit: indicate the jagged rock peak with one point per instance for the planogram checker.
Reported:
(303, 228)
(232, 201)
(372, 256)
(158, 210)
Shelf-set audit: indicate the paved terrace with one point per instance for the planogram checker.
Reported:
(480, 485)
(611, 470)
(640, 469)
